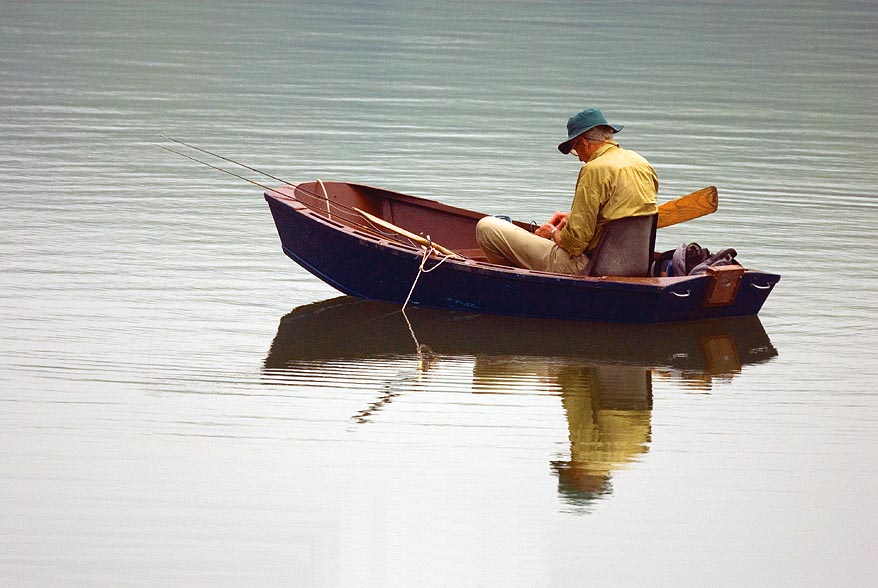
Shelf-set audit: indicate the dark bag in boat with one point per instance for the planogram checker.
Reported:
(688, 260)
(678, 262)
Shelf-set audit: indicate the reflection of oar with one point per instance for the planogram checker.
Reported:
(694, 205)
(400, 231)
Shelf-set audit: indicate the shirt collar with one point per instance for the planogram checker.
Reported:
(603, 149)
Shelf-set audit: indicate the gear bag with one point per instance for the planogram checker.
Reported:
(689, 260)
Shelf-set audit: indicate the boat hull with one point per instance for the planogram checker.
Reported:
(366, 265)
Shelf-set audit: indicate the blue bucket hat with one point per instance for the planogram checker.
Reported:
(582, 122)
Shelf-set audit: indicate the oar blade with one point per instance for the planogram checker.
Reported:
(691, 206)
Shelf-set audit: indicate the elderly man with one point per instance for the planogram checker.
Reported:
(614, 183)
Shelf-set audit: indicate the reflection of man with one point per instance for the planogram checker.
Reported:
(608, 418)
(608, 411)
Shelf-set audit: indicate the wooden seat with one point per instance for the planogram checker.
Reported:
(625, 248)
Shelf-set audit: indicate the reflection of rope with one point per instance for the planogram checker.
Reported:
(425, 354)
(411, 330)
(422, 270)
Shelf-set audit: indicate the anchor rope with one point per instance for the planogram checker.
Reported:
(422, 269)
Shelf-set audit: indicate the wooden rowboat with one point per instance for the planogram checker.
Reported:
(381, 245)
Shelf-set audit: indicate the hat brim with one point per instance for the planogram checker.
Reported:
(567, 145)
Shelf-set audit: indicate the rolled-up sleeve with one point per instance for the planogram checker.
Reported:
(582, 223)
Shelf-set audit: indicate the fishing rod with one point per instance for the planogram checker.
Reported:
(253, 169)
(351, 210)
(344, 207)
(225, 171)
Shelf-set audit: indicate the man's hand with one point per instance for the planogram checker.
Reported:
(559, 219)
(550, 229)
(546, 230)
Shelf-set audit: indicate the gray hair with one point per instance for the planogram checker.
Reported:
(600, 133)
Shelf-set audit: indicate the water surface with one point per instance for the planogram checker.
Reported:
(183, 405)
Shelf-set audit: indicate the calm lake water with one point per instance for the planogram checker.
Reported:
(181, 405)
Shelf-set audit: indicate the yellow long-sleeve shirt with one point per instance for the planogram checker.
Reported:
(615, 183)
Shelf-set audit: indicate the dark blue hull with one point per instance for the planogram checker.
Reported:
(365, 265)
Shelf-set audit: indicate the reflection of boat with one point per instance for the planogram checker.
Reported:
(348, 236)
(603, 373)
(347, 327)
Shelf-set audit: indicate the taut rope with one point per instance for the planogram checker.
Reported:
(423, 270)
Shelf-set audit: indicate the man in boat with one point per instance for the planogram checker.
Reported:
(614, 183)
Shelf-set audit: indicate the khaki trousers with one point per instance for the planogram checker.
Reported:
(506, 244)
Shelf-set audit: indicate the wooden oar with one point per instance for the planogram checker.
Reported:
(688, 207)
(400, 231)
